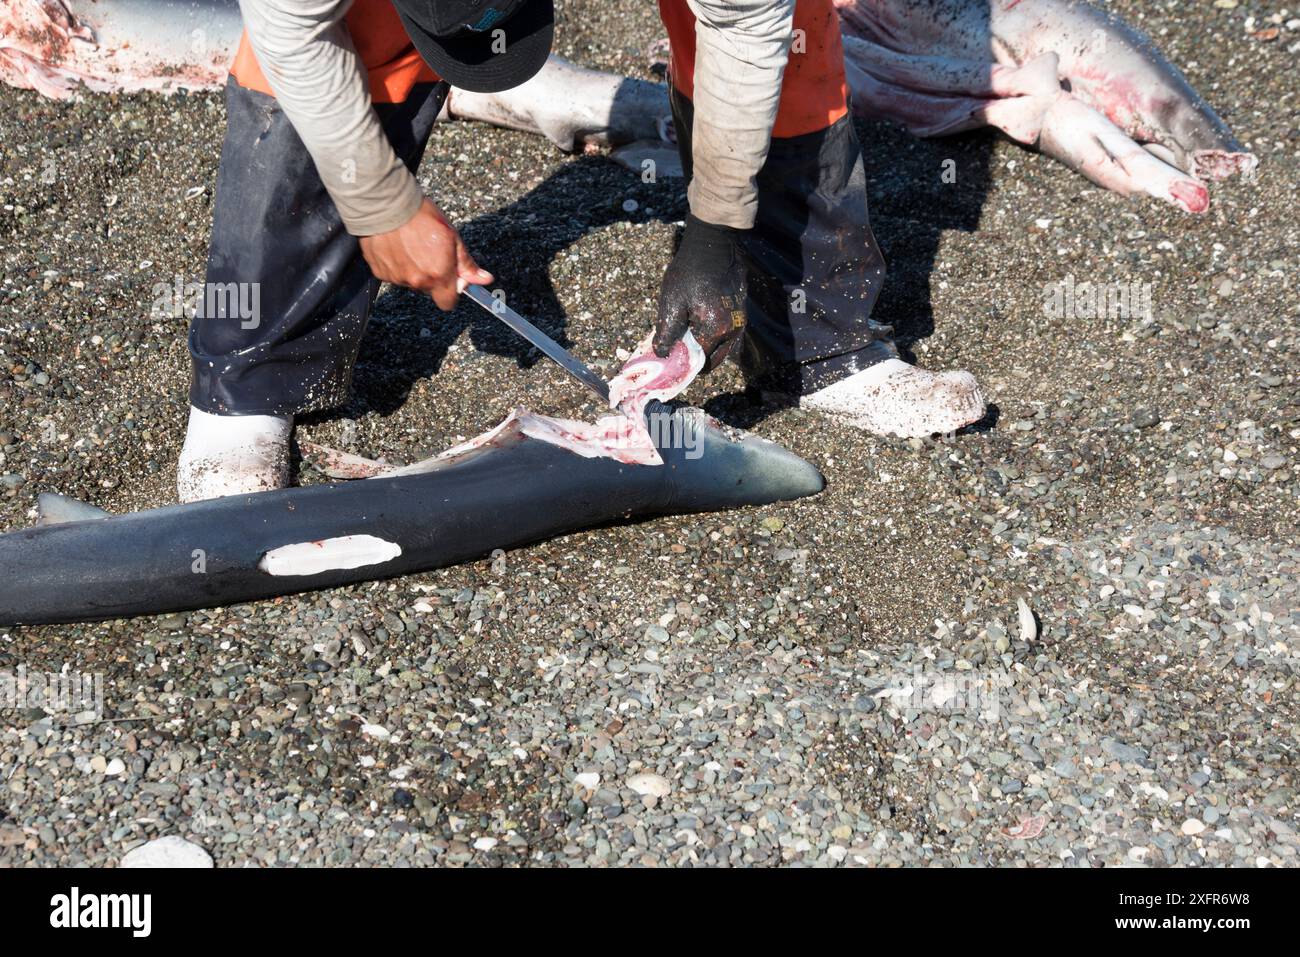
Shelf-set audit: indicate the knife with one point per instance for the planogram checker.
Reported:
(541, 340)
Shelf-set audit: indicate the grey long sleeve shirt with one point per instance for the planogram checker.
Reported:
(321, 85)
(741, 48)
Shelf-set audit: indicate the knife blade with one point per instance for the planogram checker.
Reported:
(548, 346)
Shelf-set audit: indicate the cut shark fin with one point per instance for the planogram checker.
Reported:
(55, 509)
(342, 465)
(663, 156)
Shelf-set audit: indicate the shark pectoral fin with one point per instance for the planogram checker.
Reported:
(1162, 153)
(1020, 117)
(1040, 76)
(666, 160)
(58, 509)
(342, 465)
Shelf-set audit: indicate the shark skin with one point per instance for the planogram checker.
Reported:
(509, 491)
(105, 46)
(61, 47)
(1061, 76)
(1119, 113)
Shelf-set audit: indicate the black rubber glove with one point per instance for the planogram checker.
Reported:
(704, 291)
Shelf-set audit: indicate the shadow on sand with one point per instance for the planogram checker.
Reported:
(912, 204)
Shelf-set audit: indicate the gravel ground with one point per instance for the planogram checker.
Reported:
(842, 680)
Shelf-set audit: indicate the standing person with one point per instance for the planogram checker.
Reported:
(329, 106)
(777, 264)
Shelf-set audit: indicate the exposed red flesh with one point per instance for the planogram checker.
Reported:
(622, 436)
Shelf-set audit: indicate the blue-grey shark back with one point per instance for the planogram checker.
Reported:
(249, 547)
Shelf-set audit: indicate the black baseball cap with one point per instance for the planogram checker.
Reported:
(483, 46)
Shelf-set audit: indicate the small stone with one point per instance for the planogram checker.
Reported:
(170, 851)
(1123, 752)
(647, 784)
(1145, 418)
(1028, 624)
(1192, 826)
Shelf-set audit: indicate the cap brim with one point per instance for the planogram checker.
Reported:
(493, 60)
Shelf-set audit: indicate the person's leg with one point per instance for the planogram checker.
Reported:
(287, 293)
(818, 273)
(275, 230)
(816, 269)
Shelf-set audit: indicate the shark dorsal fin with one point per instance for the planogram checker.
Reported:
(57, 509)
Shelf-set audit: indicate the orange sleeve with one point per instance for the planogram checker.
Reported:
(814, 91)
(392, 63)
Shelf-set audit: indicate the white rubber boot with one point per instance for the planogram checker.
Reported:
(233, 455)
(894, 398)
